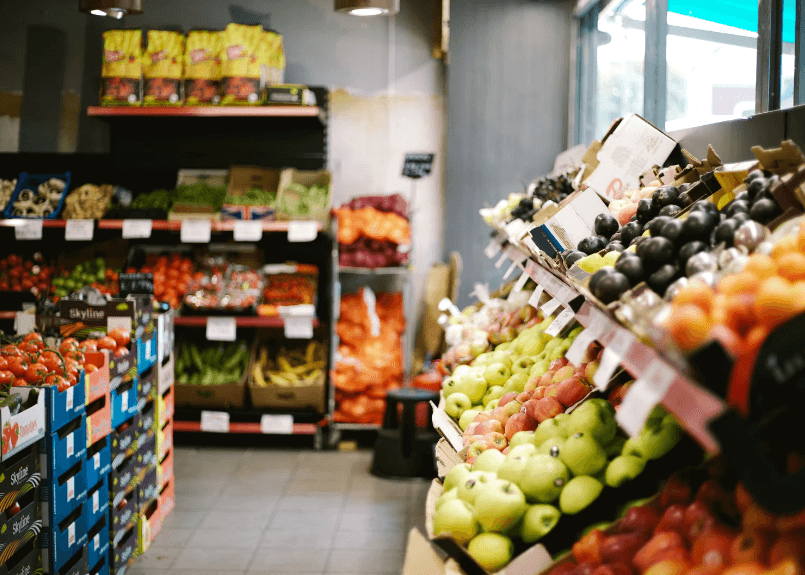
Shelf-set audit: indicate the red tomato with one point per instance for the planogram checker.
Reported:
(69, 343)
(14, 260)
(90, 367)
(17, 366)
(107, 342)
(6, 378)
(121, 351)
(35, 372)
(121, 336)
(33, 336)
(89, 345)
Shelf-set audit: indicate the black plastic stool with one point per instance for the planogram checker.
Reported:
(401, 450)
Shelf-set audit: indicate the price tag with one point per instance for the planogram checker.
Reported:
(96, 502)
(69, 398)
(302, 231)
(299, 327)
(196, 231)
(247, 231)
(533, 301)
(221, 328)
(551, 306)
(503, 258)
(124, 400)
(96, 541)
(524, 277)
(79, 230)
(71, 534)
(70, 488)
(215, 421)
(276, 424)
(510, 270)
(514, 227)
(560, 322)
(133, 229)
(579, 346)
(492, 249)
(71, 444)
(96, 460)
(445, 426)
(644, 395)
(28, 229)
(621, 342)
(25, 322)
(609, 363)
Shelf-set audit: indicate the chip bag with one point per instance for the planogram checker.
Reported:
(274, 59)
(202, 68)
(121, 72)
(162, 68)
(242, 58)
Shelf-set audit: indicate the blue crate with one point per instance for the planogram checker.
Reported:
(62, 450)
(62, 407)
(61, 542)
(98, 501)
(61, 496)
(33, 181)
(124, 402)
(102, 567)
(146, 352)
(99, 460)
(98, 540)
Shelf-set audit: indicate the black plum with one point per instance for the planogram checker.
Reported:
(606, 225)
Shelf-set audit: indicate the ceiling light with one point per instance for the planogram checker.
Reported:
(111, 8)
(367, 7)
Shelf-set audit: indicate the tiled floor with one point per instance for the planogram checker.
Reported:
(261, 512)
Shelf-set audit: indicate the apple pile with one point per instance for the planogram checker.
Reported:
(561, 467)
(711, 530)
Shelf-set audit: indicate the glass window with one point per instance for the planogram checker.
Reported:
(711, 55)
(787, 66)
(620, 55)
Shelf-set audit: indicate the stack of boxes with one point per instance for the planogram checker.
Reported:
(98, 465)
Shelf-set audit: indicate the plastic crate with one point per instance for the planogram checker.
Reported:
(28, 181)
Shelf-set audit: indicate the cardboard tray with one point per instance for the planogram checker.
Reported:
(165, 373)
(123, 518)
(165, 470)
(28, 425)
(98, 501)
(99, 418)
(97, 382)
(306, 178)
(98, 541)
(18, 476)
(121, 483)
(99, 460)
(62, 450)
(165, 335)
(149, 524)
(61, 497)
(102, 566)
(165, 440)
(61, 544)
(124, 442)
(62, 407)
(21, 527)
(124, 402)
(165, 407)
(24, 561)
(147, 491)
(122, 553)
(228, 395)
(167, 500)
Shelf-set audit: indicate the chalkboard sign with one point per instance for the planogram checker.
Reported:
(140, 284)
(417, 165)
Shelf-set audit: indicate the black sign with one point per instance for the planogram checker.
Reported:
(141, 284)
(417, 165)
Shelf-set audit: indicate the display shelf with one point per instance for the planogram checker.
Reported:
(161, 225)
(373, 271)
(244, 321)
(245, 427)
(355, 426)
(206, 111)
(248, 422)
(8, 315)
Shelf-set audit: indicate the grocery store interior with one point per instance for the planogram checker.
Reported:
(402, 287)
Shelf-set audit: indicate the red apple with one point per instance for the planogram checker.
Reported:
(571, 391)
(584, 569)
(590, 369)
(531, 384)
(562, 374)
(552, 390)
(698, 519)
(520, 422)
(471, 429)
(675, 491)
(713, 546)
(539, 393)
(749, 547)
(546, 408)
(564, 568)
(790, 545)
(613, 569)
(587, 549)
(546, 379)
(558, 363)
(717, 498)
(481, 417)
(489, 426)
(476, 449)
(496, 440)
(506, 398)
(648, 554)
(523, 396)
(592, 352)
(622, 547)
(639, 519)
(470, 439)
(673, 519)
(506, 451)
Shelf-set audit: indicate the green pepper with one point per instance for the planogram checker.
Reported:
(197, 358)
(183, 378)
(194, 379)
(232, 362)
(207, 377)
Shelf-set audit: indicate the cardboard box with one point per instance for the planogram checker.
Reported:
(60, 497)
(632, 147)
(62, 450)
(24, 561)
(165, 407)
(99, 460)
(123, 517)
(165, 469)
(228, 395)
(147, 387)
(165, 440)
(290, 95)
(124, 441)
(306, 178)
(147, 490)
(122, 552)
(27, 427)
(147, 420)
(297, 397)
(77, 565)
(146, 352)
(97, 382)
(166, 373)
(60, 544)
(146, 455)
(574, 221)
(19, 475)
(98, 542)
(165, 335)
(98, 501)
(99, 418)
(62, 407)
(101, 567)
(124, 402)
(167, 500)
(122, 479)
(15, 530)
(243, 179)
(149, 524)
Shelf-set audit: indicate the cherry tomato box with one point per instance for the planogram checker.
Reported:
(61, 543)
(123, 518)
(147, 457)
(62, 450)
(61, 497)
(147, 490)
(22, 525)
(18, 476)
(98, 541)
(147, 387)
(99, 460)
(24, 561)
(64, 406)
(26, 427)
(121, 492)
(98, 501)
(147, 423)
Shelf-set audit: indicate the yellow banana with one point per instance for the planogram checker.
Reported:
(258, 376)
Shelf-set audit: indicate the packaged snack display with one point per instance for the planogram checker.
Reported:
(162, 68)
(288, 284)
(202, 68)
(121, 73)
(274, 59)
(242, 57)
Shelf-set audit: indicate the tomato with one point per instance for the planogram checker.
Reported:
(6, 378)
(17, 366)
(69, 343)
(33, 336)
(14, 509)
(32, 347)
(89, 345)
(35, 372)
(71, 379)
(121, 336)
(14, 260)
(53, 364)
(121, 351)
(90, 367)
(3, 363)
(107, 342)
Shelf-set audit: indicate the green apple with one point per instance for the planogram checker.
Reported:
(602, 403)
(556, 353)
(489, 461)
(492, 404)
(538, 521)
(624, 468)
(553, 344)
(544, 478)
(473, 385)
(483, 360)
(575, 332)
(547, 429)
(551, 446)
(467, 417)
(517, 346)
(496, 374)
(614, 447)
(493, 392)
(521, 438)
(449, 386)
(455, 475)
(582, 454)
(594, 420)
(579, 492)
(527, 449)
(457, 518)
(503, 346)
(515, 383)
(653, 443)
(523, 365)
(457, 404)
(447, 496)
(562, 420)
(512, 467)
(473, 483)
(540, 368)
(500, 506)
(461, 371)
(505, 357)
(535, 345)
(492, 551)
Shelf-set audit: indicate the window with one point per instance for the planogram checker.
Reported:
(787, 68)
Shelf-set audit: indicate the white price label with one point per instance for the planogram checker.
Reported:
(533, 301)
(579, 346)
(79, 230)
(514, 227)
(298, 327)
(25, 322)
(621, 342)
(96, 502)
(504, 257)
(551, 307)
(70, 488)
(302, 231)
(124, 400)
(96, 460)
(71, 534)
(28, 229)
(247, 231)
(96, 541)
(445, 426)
(560, 322)
(643, 396)
(276, 424)
(510, 271)
(492, 249)
(524, 277)
(69, 399)
(221, 328)
(609, 363)
(70, 444)
(118, 323)
(215, 421)
(196, 231)
(133, 229)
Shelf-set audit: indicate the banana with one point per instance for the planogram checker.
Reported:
(310, 366)
(283, 364)
(258, 376)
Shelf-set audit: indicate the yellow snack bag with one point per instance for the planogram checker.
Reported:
(202, 67)
(242, 58)
(274, 56)
(121, 72)
(162, 68)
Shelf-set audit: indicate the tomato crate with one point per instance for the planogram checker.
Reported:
(121, 481)
(147, 419)
(147, 387)
(61, 497)
(124, 402)
(62, 407)
(21, 527)
(62, 542)
(165, 407)
(99, 460)
(123, 517)
(99, 418)
(165, 469)
(146, 352)
(124, 441)
(26, 427)
(97, 382)
(146, 455)
(18, 476)
(98, 542)
(122, 553)
(24, 561)
(62, 450)
(147, 490)
(98, 501)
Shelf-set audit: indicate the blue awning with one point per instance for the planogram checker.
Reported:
(736, 13)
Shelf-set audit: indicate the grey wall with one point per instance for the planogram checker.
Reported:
(507, 89)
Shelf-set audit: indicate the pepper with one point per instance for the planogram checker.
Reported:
(194, 379)
(197, 358)
(234, 361)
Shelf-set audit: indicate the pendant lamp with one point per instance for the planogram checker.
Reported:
(112, 8)
(367, 7)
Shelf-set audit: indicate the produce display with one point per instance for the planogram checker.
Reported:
(291, 366)
(289, 284)
(91, 273)
(7, 188)
(20, 274)
(374, 232)
(299, 201)
(214, 365)
(543, 192)
(172, 276)
(155, 200)
(37, 201)
(253, 197)
(224, 287)
(88, 202)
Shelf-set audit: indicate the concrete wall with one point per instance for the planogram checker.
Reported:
(507, 113)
